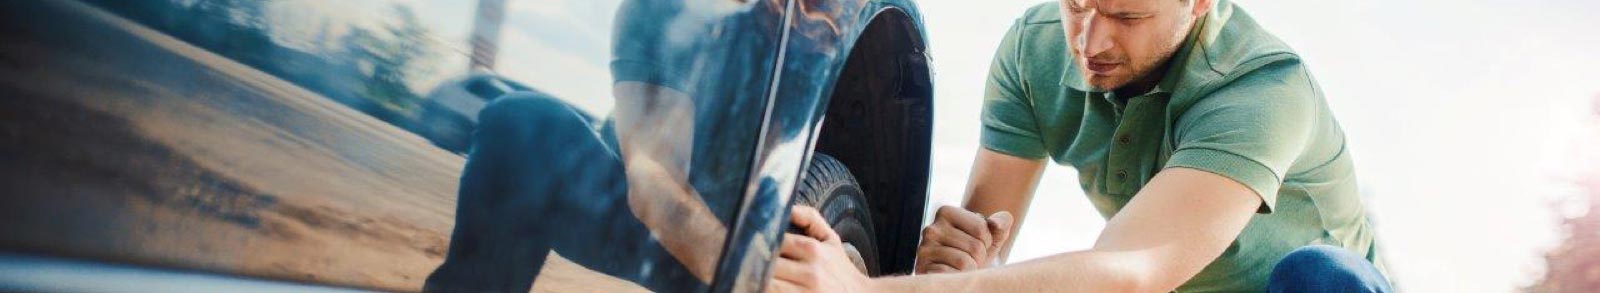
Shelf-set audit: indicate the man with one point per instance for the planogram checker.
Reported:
(545, 178)
(1200, 137)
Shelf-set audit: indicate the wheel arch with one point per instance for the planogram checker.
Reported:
(877, 118)
(833, 72)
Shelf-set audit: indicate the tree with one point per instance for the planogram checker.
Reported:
(1574, 265)
(392, 56)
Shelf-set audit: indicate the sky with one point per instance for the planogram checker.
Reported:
(1464, 118)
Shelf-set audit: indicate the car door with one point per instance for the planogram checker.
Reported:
(301, 142)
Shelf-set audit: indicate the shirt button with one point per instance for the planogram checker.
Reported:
(1122, 175)
(1124, 139)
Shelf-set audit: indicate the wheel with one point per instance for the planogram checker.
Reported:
(829, 187)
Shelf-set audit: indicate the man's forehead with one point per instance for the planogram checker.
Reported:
(1113, 6)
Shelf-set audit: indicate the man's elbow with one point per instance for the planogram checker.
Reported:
(1133, 276)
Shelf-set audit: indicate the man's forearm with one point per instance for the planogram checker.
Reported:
(684, 228)
(655, 131)
(1177, 225)
(671, 209)
(1082, 271)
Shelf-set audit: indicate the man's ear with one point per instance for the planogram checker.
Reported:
(1200, 8)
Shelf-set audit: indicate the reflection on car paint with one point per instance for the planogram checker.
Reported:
(323, 142)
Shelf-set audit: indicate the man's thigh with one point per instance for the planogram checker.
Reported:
(1324, 268)
(540, 178)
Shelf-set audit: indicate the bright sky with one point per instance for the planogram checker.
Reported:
(1462, 115)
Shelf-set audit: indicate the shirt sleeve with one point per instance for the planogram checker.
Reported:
(1009, 126)
(1250, 131)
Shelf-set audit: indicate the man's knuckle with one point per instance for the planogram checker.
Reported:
(808, 276)
(811, 212)
(930, 256)
(956, 265)
(973, 246)
(948, 212)
(810, 246)
(973, 221)
(964, 263)
(956, 240)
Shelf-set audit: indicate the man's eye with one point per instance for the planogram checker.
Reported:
(1073, 7)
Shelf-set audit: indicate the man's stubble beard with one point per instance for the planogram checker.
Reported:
(1143, 68)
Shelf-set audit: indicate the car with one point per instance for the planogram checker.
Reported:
(297, 145)
(449, 112)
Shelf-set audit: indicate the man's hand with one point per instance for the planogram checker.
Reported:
(960, 240)
(814, 262)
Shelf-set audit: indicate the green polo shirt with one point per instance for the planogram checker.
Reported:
(1235, 101)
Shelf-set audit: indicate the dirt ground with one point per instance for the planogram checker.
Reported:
(122, 144)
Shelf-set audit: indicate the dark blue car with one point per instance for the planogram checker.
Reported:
(489, 145)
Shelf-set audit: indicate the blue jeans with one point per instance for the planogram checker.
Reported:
(539, 178)
(1324, 268)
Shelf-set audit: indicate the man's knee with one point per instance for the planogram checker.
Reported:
(527, 117)
(526, 107)
(1323, 268)
(537, 145)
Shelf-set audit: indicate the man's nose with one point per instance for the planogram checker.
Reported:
(1096, 37)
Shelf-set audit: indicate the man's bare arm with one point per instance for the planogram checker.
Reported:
(655, 131)
(1001, 182)
(1181, 221)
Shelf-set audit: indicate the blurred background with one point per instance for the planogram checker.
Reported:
(1473, 125)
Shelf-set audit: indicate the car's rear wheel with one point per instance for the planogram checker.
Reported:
(829, 187)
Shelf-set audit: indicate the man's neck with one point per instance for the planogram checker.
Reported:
(1153, 78)
(1145, 83)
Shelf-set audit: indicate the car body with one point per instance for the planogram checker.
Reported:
(267, 144)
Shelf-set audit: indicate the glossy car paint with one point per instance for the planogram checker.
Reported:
(819, 42)
(298, 140)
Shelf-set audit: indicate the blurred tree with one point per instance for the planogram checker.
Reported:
(392, 56)
(371, 67)
(1574, 265)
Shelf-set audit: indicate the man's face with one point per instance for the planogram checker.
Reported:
(1118, 42)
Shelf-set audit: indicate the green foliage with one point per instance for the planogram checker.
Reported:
(392, 56)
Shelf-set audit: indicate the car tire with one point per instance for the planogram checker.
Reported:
(829, 187)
